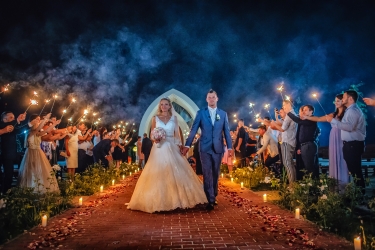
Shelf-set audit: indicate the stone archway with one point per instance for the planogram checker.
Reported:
(185, 108)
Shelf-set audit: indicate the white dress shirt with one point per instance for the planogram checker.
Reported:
(212, 114)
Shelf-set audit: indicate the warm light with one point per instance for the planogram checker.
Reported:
(265, 197)
(94, 114)
(235, 120)
(251, 105)
(281, 87)
(73, 100)
(33, 102)
(133, 124)
(357, 243)
(47, 101)
(55, 96)
(130, 174)
(101, 189)
(114, 126)
(70, 119)
(234, 161)
(231, 179)
(234, 115)
(44, 220)
(297, 213)
(314, 95)
(267, 106)
(123, 177)
(85, 112)
(241, 184)
(113, 182)
(35, 93)
(64, 111)
(80, 201)
(126, 124)
(222, 175)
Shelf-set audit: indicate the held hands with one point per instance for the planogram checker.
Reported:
(298, 151)
(184, 150)
(230, 152)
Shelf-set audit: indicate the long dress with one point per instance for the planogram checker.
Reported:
(35, 169)
(167, 181)
(72, 160)
(337, 165)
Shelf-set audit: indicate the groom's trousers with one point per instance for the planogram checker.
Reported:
(211, 170)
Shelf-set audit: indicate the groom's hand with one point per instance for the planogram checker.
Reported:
(230, 152)
(184, 150)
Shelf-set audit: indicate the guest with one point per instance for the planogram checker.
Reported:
(353, 134)
(49, 140)
(337, 165)
(307, 139)
(146, 147)
(270, 143)
(35, 169)
(89, 153)
(369, 101)
(196, 155)
(71, 146)
(289, 130)
(299, 162)
(251, 145)
(139, 152)
(116, 150)
(101, 150)
(9, 128)
(242, 138)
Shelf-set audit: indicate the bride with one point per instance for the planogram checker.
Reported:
(167, 181)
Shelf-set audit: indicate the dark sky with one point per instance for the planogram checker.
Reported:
(117, 56)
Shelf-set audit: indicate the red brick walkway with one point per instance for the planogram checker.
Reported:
(241, 221)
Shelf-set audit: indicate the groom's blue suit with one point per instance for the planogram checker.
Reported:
(211, 147)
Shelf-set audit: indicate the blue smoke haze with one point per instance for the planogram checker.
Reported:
(116, 57)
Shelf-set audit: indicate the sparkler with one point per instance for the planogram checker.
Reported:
(46, 101)
(280, 89)
(315, 95)
(53, 103)
(85, 112)
(32, 102)
(5, 89)
(267, 107)
(257, 116)
(93, 117)
(65, 110)
(251, 105)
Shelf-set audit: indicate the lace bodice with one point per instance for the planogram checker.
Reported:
(34, 141)
(168, 127)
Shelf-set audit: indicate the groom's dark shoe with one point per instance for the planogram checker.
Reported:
(210, 207)
(215, 204)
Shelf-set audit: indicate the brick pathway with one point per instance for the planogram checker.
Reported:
(103, 222)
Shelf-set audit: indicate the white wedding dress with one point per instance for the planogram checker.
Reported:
(167, 181)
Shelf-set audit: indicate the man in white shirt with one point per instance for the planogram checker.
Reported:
(269, 143)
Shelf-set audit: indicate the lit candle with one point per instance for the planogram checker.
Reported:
(357, 243)
(113, 182)
(222, 175)
(80, 201)
(231, 179)
(265, 197)
(130, 173)
(44, 220)
(138, 169)
(241, 184)
(297, 213)
(101, 188)
(123, 177)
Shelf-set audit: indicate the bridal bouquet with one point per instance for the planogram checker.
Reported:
(158, 134)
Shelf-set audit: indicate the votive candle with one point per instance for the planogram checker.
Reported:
(101, 188)
(222, 175)
(44, 220)
(80, 201)
(231, 179)
(130, 173)
(297, 213)
(113, 182)
(123, 177)
(265, 197)
(241, 184)
(357, 243)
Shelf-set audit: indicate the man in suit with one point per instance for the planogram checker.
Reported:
(213, 123)
(101, 150)
(146, 147)
(8, 132)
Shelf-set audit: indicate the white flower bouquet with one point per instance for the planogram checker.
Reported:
(158, 134)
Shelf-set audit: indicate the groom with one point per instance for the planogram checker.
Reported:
(213, 123)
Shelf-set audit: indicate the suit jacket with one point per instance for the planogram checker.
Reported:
(212, 135)
(146, 145)
(9, 140)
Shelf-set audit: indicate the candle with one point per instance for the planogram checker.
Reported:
(44, 220)
(222, 175)
(138, 169)
(130, 173)
(123, 177)
(101, 188)
(265, 197)
(231, 179)
(80, 201)
(113, 182)
(297, 213)
(241, 184)
(357, 243)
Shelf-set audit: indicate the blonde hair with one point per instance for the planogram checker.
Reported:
(170, 104)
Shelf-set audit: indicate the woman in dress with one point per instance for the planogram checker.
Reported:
(35, 169)
(337, 165)
(71, 145)
(167, 181)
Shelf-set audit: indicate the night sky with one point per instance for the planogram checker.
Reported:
(117, 56)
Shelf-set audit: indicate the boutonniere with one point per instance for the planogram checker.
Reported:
(217, 117)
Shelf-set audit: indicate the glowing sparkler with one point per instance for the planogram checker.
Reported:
(315, 95)
(5, 89)
(32, 102)
(85, 112)
(35, 94)
(53, 103)
(251, 105)
(45, 103)
(280, 89)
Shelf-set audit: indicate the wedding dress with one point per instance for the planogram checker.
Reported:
(35, 170)
(167, 181)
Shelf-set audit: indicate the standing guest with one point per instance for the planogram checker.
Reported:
(89, 153)
(101, 150)
(35, 169)
(270, 143)
(353, 134)
(251, 145)
(299, 162)
(139, 152)
(9, 128)
(116, 151)
(289, 130)
(242, 138)
(337, 165)
(307, 139)
(71, 146)
(146, 147)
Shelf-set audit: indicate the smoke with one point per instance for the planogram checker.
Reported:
(118, 62)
